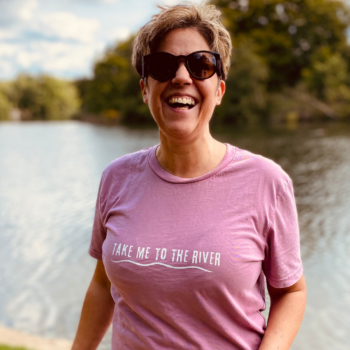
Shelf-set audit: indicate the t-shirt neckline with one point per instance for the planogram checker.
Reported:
(163, 174)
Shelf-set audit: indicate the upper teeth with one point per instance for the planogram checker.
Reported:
(183, 100)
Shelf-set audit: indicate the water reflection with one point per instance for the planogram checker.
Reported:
(319, 164)
(49, 174)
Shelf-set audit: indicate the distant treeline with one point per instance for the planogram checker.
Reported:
(291, 61)
(38, 98)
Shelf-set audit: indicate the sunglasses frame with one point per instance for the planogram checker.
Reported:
(218, 66)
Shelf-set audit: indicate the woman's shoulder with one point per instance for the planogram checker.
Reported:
(128, 164)
(261, 168)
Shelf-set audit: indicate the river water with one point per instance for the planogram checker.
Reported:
(49, 175)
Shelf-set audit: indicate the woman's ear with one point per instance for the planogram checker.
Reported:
(143, 85)
(220, 92)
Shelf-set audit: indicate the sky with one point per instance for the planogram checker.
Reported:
(64, 38)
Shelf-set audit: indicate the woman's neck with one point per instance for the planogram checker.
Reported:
(189, 160)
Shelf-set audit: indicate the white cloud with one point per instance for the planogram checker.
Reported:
(170, 2)
(177, 2)
(8, 70)
(26, 10)
(47, 41)
(61, 59)
(7, 34)
(9, 13)
(120, 33)
(64, 38)
(8, 50)
(26, 59)
(65, 25)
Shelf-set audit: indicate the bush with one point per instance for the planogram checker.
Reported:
(287, 33)
(5, 104)
(294, 104)
(44, 97)
(5, 347)
(328, 78)
(245, 97)
(115, 86)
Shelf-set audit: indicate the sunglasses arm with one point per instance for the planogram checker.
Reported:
(143, 68)
(220, 70)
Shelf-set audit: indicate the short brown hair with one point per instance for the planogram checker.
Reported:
(204, 18)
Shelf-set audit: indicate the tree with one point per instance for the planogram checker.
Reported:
(5, 104)
(115, 87)
(286, 34)
(44, 97)
(328, 79)
(245, 97)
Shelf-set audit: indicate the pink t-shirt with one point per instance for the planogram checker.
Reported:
(187, 257)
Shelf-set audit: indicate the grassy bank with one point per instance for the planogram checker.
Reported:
(18, 340)
(5, 347)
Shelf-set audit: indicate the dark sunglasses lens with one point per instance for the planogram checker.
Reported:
(202, 65)
(162, 66)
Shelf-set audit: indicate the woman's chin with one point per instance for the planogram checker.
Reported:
(181, 125)
(179, 130)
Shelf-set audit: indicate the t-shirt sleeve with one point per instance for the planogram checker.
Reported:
(282, 265)
(98, 229)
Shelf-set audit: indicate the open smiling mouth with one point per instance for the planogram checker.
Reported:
(181, 103)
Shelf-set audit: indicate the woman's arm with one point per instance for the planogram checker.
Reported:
(97, 312)
(286, 314)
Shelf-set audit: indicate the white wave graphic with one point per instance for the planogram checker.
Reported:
(155, 263)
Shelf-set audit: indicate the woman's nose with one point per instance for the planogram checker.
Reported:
(182, 75)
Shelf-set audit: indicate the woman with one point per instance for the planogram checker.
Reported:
(186, 230)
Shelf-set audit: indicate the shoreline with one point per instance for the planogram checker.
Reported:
(12, 337)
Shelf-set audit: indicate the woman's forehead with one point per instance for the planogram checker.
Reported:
(183, 41)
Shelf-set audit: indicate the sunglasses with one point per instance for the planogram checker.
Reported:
(162, 66)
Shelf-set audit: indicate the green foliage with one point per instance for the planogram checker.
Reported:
(293, 104)
(291, 60)
(5, 104)
(115, 86)
(245, 97)
(328, 78)
(5, 347)
(44, 97)
(286, 34)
